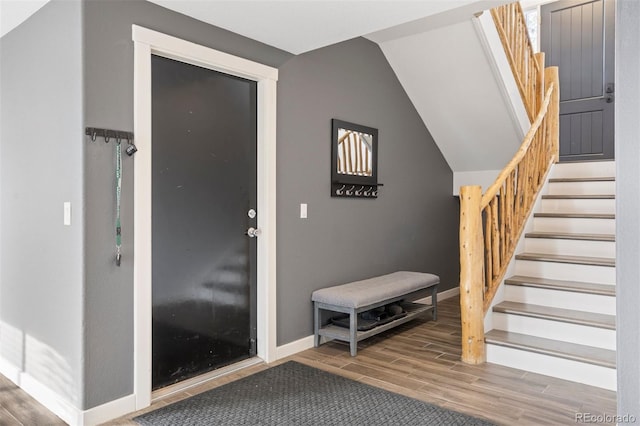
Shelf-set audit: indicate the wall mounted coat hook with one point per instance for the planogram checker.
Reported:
(108, 134)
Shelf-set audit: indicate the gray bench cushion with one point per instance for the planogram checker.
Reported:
(374, 290)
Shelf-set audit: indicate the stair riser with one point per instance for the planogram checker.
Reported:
(573, 205)
(581, 188)
(586, 169)
(580, 372)
(580, 226)
(566, 271)
(561, 299)
(570, 247)
(556, 330)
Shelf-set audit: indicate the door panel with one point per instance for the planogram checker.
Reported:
(204, 183)
(577, 36)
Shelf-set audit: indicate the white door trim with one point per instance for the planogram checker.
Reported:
(148, 42)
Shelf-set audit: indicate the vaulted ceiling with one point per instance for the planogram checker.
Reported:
(294, 26)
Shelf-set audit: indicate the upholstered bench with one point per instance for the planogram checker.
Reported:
(360, 296)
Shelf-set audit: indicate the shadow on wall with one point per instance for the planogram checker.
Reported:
(30, 363)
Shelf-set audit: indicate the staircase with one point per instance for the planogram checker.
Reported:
(558, 313)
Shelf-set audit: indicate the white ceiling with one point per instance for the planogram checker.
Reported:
(14, 12)
(294, 26)
(303, 25)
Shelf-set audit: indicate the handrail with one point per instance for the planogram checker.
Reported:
(527, 67)
(491, 224)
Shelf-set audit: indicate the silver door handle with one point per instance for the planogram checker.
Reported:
(253, 232)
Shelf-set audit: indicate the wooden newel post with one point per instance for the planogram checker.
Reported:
(471, 283)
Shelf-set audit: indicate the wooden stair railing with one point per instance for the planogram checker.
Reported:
(527, 66)
(491, 224)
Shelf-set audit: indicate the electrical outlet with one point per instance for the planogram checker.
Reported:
(303, 211)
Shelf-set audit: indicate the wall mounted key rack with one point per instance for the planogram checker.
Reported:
(112, 135)
(354, 160)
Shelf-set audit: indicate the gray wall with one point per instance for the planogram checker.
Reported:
(41, 157)
(413, 223)
(628, 205)
(341, 241)
(108, 53)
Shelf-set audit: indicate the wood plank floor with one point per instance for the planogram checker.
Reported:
(421, 360)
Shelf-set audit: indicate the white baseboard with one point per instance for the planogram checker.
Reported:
(58, 405)
(294, 347)
(109, 411)
(61, 406)
(10, 371)
(447, 294)
(307, 342)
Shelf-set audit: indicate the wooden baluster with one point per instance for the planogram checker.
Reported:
(495, 251)
(539, 57)
(510, 207)
(551, 78)
(471, 292)
(503, 221)
(488, 263)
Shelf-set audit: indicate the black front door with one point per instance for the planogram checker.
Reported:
(203, 200)
(578, 37)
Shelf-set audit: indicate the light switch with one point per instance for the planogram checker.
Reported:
(67, 213)
(303, 211)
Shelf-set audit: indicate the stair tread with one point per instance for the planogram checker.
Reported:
(579, 197)
(578, 215)
(560, 258)
(584, 179)
(571, 236)
(573, 286)
(572, 351)
(557, 314)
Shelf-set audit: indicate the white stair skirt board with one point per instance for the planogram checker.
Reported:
(574, 371)
(581, 188)
(566, 271)
(561, 299)
(573, 205)
(583, 169)
(570, 247)
(576, 225)
(556, 330)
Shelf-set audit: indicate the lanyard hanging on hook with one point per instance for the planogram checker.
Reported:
(118, 197)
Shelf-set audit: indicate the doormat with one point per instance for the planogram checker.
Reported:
(295, 394)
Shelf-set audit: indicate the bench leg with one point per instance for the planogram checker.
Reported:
(434, 302)
(316, 325)
(353, 329)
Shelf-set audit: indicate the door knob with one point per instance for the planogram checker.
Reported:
(253, 232)
(609, 98)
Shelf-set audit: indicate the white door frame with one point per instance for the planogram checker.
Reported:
(147, 43)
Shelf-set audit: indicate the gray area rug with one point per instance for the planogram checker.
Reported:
(294, 394)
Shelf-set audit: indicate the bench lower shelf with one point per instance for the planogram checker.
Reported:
(341, 333)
